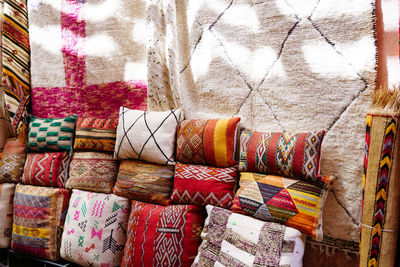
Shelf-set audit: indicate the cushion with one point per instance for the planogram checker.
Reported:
(147, 135)
(92, 171)
(202, 185)
(51, 134)
(46, 169)
(95, 229)
(231, 239)
(292, 202)
(162, 235)
(6, 220)
(95, 134)
(294, 155)
(210, 142)
(145, 181)
(39, 214)
(12, 161)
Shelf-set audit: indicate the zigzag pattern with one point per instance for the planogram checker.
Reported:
(285, 152)
(31, 212)
(366, 152)
(205, 173)
(202, 198)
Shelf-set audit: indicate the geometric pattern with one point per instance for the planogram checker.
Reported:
(6, 206)
(12, 167)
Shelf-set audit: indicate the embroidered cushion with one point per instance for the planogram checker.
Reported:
(231, 239)
(6, 220)
(51, 134)
(162, 235)
(145, 181)
(202, 185)
(92, 171)
(95, 134)
(295, 203)
(39, 214)
(46, 169)
(210, 142)
(95, 229)
(12, 161)
(147, 135)
(294, 155)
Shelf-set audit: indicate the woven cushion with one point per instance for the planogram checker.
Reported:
(231, 239)
(95, 229)
(209, 142)
(145, 181)
(295, 203)
(92, 171)
(51, 134)
(162, 236)
(294, 155)
(6, 207)
(39, 214)
(202, 185)
(12, 161)
(147, 135)
(95, 134)
(46, 169)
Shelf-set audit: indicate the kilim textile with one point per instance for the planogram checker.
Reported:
(39, 214)
(6, 218)
(231, 239)
(282, 66)
(209, 142)
(202, 185)
(92, 171)
(95, 229)
(162, 236)
(46, 169)
(95, 54)
(51, 134)
(6, 130)
(12, 161)
(295, 203)
(147, 135)
(15, 51)
(145, 181)
(95, 134)
(294, 155)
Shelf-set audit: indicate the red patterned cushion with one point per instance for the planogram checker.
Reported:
(162, 235)
(202, 185)
(95, 134)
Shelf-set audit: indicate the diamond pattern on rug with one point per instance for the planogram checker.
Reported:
(191, 141)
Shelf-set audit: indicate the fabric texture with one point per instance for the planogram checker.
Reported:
(295, 203)
(47, 169)
(51, 134)
(39, 214)
(12, 161)
(162, 236)
(95, 229)
(145, 181)
(147, 135)
(231, 239)
(202, 185)
(209, 142)
(95, 134)
(6, 220)
(294, 155)
(92, 171)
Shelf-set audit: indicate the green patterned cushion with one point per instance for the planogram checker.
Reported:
(51, 134)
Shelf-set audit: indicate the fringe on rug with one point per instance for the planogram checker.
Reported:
(386, 101)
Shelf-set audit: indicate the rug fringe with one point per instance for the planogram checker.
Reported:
(386, 101)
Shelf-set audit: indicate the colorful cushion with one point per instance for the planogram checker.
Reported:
(51, 134)
(46, 169)
(12, 161)
(39, 214)
(95, 134)
(295, 203)
(162, 235)
(147, 135)
(95, 229)
(92, 171)
(231, 239)
(294, 155)
(209, 142)
(6, 207)
(145, 181)
(202, 185)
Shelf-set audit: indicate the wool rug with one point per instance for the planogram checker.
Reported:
(87, 57)
(282, 66)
